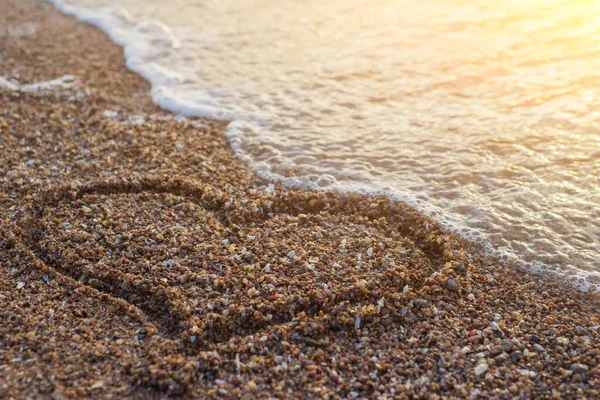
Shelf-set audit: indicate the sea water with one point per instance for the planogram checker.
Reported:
(484, 114)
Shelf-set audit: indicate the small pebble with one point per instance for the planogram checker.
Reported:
(534, 339)
(494, 351)
(506, 345)
(579, 368)
(481, 369)
(527, 373)
(451, 284)
(496, 328)
(538, 347)
(97, 385)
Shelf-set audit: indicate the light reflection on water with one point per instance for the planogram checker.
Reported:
(482, 113)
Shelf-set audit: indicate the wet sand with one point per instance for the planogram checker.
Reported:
(140, 259)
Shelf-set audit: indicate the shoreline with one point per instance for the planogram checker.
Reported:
(568, 272)
(142, 259)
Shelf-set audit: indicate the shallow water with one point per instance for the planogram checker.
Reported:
(484, 114)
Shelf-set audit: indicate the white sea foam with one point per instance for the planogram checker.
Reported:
(481, 114)
(10, 85)
(22, 30)
(64, 82)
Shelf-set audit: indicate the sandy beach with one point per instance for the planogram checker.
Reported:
(139, 258)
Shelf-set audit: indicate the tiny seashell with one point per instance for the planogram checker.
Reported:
(357, 322)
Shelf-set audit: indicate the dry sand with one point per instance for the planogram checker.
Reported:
(141, 259)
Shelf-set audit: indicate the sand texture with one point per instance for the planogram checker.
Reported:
(140, 259)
